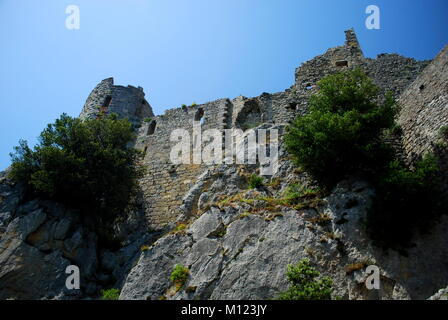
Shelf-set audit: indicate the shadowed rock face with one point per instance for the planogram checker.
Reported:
(27, 272)
(40, 239)
(442, 294)
(237, 249)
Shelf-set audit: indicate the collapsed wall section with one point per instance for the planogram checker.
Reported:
(275, 108)
(283, 107)
(390, 72)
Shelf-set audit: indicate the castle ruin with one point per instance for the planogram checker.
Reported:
(165, 184)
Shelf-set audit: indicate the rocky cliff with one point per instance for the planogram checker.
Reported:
(240, 242)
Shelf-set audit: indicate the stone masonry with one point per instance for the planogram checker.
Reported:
(424, 107)
(128, 102)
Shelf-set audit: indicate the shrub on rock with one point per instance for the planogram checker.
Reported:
(85, 164)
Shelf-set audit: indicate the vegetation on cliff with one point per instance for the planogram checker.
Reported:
(343, 136)
(85, 164)
(306, 283)
(179, 275)
(110, 294)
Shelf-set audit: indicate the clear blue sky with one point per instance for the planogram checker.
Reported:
(183, 51)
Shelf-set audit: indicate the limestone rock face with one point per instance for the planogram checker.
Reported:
(233, 254)
(40, 239)
(424, 115)
(128, 102)
(32, 262)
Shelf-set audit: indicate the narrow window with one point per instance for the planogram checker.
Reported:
(199, 115)
(151, 128)
(292, 106)
(106, 103)
(342, 63)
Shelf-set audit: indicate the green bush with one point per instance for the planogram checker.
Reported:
(110, 294)
(148, 119)
(85, 164)
(179, 275)
(255, 181)
(306, 283)
(340, 135)
(295, 192)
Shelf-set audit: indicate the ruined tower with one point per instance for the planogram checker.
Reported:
(128, 102)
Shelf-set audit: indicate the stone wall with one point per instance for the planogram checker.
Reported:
(165, 184)
(393, 72)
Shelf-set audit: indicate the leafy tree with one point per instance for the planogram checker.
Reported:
(306, 283)
(85, 164)
(340, 135)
